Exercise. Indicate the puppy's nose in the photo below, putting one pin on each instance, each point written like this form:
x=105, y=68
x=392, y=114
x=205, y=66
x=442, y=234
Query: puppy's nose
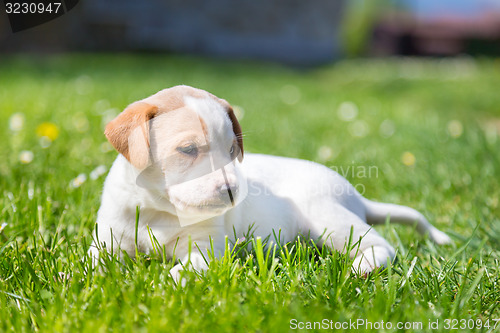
x=231, y=189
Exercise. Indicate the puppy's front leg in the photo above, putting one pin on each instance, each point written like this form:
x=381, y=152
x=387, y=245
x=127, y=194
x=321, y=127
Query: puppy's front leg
x=197, y=259
x=372, y=257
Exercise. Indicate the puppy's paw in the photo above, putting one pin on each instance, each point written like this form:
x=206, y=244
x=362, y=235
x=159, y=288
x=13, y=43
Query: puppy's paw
x=175, y=273
x=194, y=262
x=361, y=266
x=439, y=237
x=372, y=258
x=94, y=255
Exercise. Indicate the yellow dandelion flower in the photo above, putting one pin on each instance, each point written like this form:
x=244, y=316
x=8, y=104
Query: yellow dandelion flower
x=48, y=130
x=408, y=159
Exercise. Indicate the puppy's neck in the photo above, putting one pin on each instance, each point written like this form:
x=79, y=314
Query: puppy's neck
x=140, y=194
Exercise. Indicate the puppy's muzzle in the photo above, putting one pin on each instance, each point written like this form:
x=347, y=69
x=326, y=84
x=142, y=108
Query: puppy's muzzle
x=229, y=190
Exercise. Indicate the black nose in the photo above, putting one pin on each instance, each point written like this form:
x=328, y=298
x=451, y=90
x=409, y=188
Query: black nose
x=231, y=189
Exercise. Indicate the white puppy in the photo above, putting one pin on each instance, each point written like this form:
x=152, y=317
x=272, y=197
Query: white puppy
x=181, y=162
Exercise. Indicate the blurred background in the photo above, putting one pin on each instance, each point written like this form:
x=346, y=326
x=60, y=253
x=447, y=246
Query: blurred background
x=292, y=32
x=400, y=97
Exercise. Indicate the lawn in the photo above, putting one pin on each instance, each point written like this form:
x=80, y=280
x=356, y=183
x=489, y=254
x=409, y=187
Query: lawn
x=424, y=131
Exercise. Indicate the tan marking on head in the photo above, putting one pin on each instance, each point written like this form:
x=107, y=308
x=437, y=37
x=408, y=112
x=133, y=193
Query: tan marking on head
x=174, y=129
x=129, y=131
x=173, y=98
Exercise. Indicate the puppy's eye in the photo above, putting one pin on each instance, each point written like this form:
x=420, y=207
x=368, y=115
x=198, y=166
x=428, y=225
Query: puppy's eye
x=234, y=150
x=190, y=150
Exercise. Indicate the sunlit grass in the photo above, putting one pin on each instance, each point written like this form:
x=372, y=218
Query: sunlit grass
x=428, y=127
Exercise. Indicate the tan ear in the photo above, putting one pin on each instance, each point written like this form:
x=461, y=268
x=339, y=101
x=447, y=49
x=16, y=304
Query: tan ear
x=236, y=130
x=129, y=133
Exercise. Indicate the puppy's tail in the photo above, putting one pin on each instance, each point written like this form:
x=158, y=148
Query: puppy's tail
x=377, y=213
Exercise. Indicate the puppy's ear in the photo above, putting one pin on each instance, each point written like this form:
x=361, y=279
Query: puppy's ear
x=129, y=133
x=234, y=122
x=237, y=131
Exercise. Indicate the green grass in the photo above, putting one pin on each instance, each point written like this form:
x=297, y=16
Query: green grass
x=443, y=115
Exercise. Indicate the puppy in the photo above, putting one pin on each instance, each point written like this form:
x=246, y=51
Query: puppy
x=182, y=163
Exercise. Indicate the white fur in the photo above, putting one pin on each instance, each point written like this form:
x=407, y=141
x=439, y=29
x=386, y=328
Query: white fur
x=287, y=196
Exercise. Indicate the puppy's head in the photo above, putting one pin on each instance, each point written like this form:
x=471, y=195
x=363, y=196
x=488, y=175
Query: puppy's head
x=186, y=145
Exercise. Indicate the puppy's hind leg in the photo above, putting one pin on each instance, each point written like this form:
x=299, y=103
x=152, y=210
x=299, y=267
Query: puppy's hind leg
x=377, y=213
x=335, y=224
